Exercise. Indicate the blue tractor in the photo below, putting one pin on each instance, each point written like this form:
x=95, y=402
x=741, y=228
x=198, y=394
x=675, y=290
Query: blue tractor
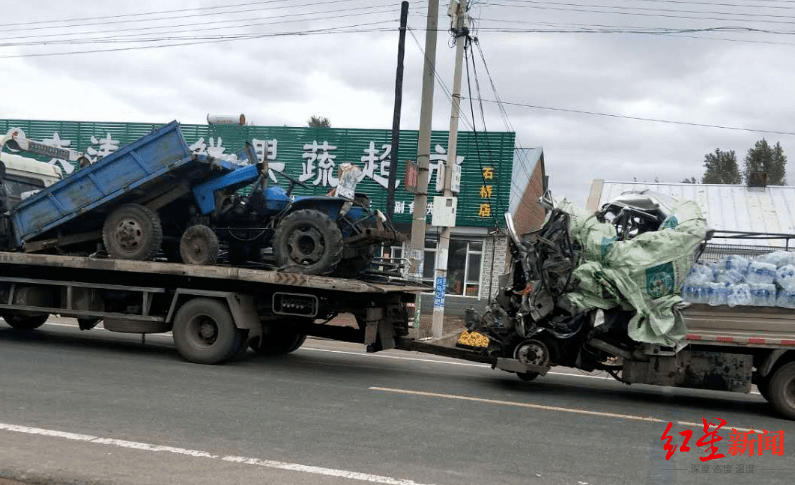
x=317, y=235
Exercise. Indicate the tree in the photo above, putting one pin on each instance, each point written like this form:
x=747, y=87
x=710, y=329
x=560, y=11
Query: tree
x=318, y=122
x=721, y=168
x=691, y=180
x=764, y=158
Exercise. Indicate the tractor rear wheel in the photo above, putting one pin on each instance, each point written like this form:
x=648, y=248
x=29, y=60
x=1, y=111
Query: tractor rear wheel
x=307, y=242
x=132, y=232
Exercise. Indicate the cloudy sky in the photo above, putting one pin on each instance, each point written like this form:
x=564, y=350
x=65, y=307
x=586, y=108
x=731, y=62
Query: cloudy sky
x=581, y=78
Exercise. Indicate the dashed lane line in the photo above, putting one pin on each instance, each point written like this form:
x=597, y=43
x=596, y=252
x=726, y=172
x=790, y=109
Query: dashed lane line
x=632, y=417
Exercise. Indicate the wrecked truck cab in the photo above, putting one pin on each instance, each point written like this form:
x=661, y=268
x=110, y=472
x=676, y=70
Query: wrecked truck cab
x=587, y=293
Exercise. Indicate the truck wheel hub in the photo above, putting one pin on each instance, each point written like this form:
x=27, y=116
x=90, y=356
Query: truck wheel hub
x=306, y=245
x=532, y=352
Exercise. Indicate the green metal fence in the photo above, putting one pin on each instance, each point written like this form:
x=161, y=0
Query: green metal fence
x=312, y=155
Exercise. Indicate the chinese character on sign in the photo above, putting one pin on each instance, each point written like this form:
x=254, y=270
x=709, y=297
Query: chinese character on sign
x=400, y=207
x=107, y=146
x=486, y=191
x=56, y=141
x=484, y=211
x=266, y=150
x=215, y=149
x=373, y=159
x=488, y=173
x=325, y=163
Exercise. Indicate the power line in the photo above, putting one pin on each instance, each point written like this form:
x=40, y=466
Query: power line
x=577, y=8
x=646, y=9
x=637, y=118
x=138, y=37
x=182, y=15
x=331, y=30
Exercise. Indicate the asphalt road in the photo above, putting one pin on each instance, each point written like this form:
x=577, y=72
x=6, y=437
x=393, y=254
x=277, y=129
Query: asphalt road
x=99, y=408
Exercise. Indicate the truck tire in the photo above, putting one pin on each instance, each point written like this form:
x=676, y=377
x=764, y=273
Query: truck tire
x=307, y=242
x=132, y=232
x=281, y=343
x=25, y=322
x=204, y=332
x=781, y=390
x=763, y=386
x=199, y=245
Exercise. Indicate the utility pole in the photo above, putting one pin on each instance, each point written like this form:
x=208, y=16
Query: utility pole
x=459, y=17
x=393, y=158
x=417, y=245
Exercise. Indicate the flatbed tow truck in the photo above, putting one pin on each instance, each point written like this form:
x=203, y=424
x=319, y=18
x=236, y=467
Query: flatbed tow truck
x=214, y=312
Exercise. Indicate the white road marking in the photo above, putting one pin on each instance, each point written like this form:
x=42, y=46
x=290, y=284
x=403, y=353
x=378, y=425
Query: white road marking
x=518, y=404
x=395, y=357
x=296, y=467
x=544, y=407
x=365, y=477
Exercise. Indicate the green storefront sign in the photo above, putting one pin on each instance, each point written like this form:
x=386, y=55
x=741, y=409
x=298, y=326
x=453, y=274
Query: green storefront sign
x=313, y=154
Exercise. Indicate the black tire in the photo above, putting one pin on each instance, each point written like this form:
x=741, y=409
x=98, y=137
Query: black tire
x=781, y=391
x=307, y=242
x=204, y=332
x=353, y=267
x=763, y=386
x=199, y=245
x=132, y=232
x=527, y=376
x=280, y=343
x=25, y=322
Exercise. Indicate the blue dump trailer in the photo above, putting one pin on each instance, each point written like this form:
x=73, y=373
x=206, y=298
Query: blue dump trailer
x=115, y=200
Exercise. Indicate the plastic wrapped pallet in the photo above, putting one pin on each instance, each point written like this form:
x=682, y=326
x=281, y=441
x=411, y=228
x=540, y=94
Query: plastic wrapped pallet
x=761, y=273
x=763, y=295
x=785, y=277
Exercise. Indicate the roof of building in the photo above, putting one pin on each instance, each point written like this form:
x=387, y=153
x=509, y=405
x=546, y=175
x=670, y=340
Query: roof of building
x=768, y=209
x=524, y=162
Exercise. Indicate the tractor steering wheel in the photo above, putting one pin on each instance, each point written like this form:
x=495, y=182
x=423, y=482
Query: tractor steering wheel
x=293, y=182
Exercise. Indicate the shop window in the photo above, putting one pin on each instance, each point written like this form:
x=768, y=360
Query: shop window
x=464, y=267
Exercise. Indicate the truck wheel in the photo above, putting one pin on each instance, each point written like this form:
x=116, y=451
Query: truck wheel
x=279, y=344
x=763, y=386
x=204, y=332
x=781, y=390
x=199, y=245
x=25, y=322
x=307, y=242
x=132, y=232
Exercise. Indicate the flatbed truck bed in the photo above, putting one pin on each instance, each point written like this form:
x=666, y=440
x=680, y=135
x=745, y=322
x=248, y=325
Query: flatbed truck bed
x=213, y=311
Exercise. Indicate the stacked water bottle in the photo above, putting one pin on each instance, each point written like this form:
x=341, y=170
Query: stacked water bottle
x=769, y=280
